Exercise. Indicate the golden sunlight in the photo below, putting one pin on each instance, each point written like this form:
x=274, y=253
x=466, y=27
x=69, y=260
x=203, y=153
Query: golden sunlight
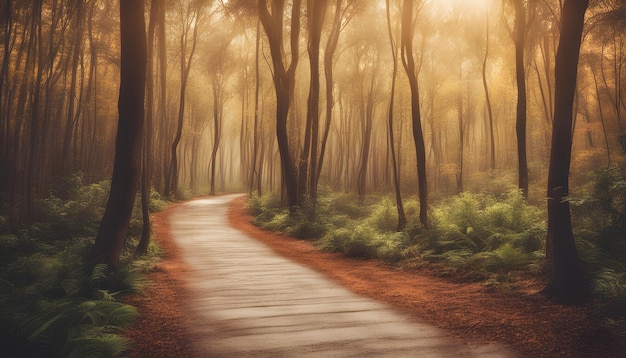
x=462, y=5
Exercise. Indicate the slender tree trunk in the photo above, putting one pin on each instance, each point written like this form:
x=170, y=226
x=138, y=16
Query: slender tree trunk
x=112, y=232
x=418, y=136
x=567, y=280
x=146, y=172
x=329, y=53
x=255, y=135
x=6, y=21
x=162, y=107
x=368, y=114
x=217, y=130
x=316, y=22
x=520, y=74
x=492, y=163
x=72, y=114
x=34, y=125
x=601, y=115
x=394, y=74
x=185, y=69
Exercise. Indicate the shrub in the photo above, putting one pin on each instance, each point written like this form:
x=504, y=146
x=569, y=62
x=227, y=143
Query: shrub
x=254, y=204
x=363, y=243
x=384, y=216
x=392, y=246
x=334, y=240
x=506, y=258
x=348, y=204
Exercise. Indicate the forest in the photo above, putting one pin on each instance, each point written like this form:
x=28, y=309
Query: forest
x=483, y=135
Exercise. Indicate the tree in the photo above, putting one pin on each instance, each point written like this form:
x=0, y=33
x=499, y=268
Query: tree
x=190, y=15
x=408, y=61
x=220, y=70
x=520, y=76
x=254, y=172
x=492, y=163
x=567, y=281
x=127, y=164
x=340, y=20
x=284, y=81
x=148, y=141
x=394, y=74
x=316, y=13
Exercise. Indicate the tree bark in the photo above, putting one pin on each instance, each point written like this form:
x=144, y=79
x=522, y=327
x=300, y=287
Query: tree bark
x=329, y=53
x=316, y=22
x=218, y=105
x=255, y=135
x=162, y=63
x=492, y=162
x=146, y=172
x=520, y=75
x=367, y=115
x=193, y=17
x=127, y=165
x=418, y=136
x=396, y=180
x=284, y=80
x=567, y=280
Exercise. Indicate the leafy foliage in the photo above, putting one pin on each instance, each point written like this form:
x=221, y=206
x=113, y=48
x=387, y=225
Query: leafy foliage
x=51, y=303
x=479, y=232
x=469, y=231
x=601, y=241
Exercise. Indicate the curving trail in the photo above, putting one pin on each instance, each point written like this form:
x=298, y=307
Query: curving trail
x=247, y=301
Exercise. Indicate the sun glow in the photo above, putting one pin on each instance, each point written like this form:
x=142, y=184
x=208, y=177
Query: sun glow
x=461, y=5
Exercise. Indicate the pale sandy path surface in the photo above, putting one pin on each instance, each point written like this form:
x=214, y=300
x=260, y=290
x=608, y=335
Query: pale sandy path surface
x=246, y=301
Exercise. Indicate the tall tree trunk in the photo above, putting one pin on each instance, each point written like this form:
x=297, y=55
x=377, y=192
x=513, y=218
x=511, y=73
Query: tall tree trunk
x=367, y=122
x=255, y=135
x=520, y=75
x=185, y=69
x=463, y=124
x=601, y=115
x=316, y=22
x=492, y=162
x=284, y=81
x=217, y=129
x=73, y=115
x=34, y=125
x=396, y=180
x=567, y=280
x=112, y=231
x=146, y=172
x=329, y=53
x=162, y=107
x=418, y=136
x=6, y=21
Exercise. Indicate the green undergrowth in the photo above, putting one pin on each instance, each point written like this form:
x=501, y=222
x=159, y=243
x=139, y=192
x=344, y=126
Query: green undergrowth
x=600, y=228
x=51, y=303
x=476, y=232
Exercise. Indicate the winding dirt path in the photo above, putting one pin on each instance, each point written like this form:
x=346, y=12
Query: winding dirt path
x=515, y=315
x=246, y=300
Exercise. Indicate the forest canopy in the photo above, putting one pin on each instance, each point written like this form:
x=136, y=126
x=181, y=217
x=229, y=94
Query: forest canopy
x=60, y=70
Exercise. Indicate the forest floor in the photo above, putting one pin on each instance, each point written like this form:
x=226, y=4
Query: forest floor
x=508, y=313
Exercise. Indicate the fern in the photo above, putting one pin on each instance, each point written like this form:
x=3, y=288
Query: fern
x=384, y=216
x=505, y=259
x=101, y=345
